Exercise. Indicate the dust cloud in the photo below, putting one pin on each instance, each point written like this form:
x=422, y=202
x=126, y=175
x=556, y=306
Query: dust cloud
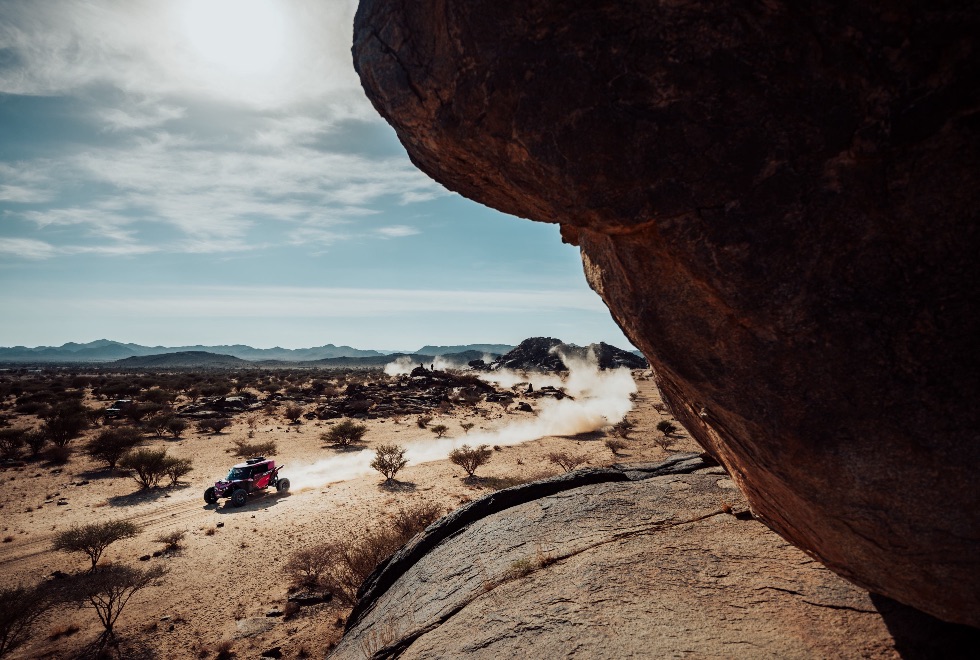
x=597, y=399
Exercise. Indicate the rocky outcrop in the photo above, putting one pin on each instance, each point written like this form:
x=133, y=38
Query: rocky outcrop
x=550, y=354
x=778, y=204
x=636, y=561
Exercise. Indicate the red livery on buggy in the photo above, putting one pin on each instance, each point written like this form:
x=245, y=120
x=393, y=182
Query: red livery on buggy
x=255, y=475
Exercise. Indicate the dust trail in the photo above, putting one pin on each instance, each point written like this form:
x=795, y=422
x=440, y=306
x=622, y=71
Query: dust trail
x=403, y=365
x=601, y=398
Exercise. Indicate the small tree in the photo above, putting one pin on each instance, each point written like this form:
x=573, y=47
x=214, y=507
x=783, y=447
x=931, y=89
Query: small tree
x=20, y=608
x=439, y=430
x=94, y=538
x=306, y=565
x=177, y=468
x=568, y=462
x=470, y=458
x=293, y=413
x=423, y=420
x=466, y=426
x=108, y=592
x=344, y=434
x=388, y=460
x=110, y=444
x=246, y=449
x=65, y=423
x=213, y=426
x=35, y=440
x=11, y=441
x=175, y=426
x=148, y=465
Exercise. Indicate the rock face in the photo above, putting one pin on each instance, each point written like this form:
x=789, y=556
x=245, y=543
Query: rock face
x=642, y=561
x=780, y=208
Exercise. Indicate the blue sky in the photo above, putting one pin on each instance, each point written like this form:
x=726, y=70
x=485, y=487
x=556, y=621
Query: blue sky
x=210, y=171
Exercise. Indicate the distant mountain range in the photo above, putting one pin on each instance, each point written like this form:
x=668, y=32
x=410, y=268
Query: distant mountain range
x=105, y=350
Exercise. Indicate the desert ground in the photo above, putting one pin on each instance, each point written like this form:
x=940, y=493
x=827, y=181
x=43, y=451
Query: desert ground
x=221, y=586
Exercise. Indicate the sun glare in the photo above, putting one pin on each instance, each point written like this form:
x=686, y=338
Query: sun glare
x=236, y=38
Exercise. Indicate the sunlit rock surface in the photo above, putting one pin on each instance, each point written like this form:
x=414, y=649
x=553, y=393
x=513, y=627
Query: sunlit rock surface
x=779, y=206
x=638, y=563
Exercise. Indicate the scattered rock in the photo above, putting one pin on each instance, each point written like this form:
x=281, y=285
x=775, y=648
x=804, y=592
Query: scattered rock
x=253, y=626
x=145, y=558
x=306, y=599
x=274, y=612
x=274, y=652
x=220, y=524
x=158, y=553
x=62, y=502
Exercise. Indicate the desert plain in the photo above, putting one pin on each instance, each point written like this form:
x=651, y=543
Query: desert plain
x=226, y=588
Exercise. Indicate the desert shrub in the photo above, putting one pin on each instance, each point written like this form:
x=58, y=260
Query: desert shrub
x=615, y=445
x=410, y=519
x=440, y=430
x=110, y=444
x=345, y=433
x=148, y=465
x=293, y=412
x=11, y=443
x=175, y=426
x=108, y=591
x=177, y=468
x=172, y=541
x=342, y=566
x=388, y=460
x=306, y=565
x=665, y=442
x=565, y=460
x=623, y=428
x=58, y=454
x=423, y=420
x=138, y=411
x=158, y=396
x=666, y=427
x=65, y=423
x=213, y=426
x=470, y=458
x=94, y=538
x=158, y=423
x=245, y=449
x=466, y=426
x=35, y=441
x=20, y=608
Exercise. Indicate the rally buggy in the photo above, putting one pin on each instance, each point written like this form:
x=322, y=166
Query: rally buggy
x=255, y=475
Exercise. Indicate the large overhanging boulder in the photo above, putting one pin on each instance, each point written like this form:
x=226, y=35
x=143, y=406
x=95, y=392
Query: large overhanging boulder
x=779, y=205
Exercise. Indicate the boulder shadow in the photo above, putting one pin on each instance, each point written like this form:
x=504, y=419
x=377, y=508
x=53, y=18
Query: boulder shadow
x=145, y=495
x=921, y=636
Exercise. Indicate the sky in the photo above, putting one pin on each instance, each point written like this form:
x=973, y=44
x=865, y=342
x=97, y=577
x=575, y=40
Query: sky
x=210, y=172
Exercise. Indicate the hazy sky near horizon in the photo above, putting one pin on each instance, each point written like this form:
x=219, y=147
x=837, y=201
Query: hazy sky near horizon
x=210, y=172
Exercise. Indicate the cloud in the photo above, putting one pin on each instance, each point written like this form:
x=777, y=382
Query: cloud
x=396, y=231
x=147, y=48
x=26, y=248
x=323, y=302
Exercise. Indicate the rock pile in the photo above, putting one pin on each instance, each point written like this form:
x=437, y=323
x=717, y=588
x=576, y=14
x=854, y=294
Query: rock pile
x=549, y=354
x=413, y=394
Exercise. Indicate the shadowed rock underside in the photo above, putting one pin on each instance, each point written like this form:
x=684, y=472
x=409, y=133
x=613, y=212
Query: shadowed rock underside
x=779, y=207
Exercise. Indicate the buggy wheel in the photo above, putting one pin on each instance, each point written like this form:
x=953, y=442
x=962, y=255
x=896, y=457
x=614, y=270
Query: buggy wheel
x=210, y=496
x=239, y=497
x=282, y=485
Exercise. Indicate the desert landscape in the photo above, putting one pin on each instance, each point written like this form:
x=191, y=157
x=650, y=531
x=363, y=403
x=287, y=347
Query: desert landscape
x=227, y=583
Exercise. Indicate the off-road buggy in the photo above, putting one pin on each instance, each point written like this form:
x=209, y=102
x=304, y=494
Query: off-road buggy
x=255, y=475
